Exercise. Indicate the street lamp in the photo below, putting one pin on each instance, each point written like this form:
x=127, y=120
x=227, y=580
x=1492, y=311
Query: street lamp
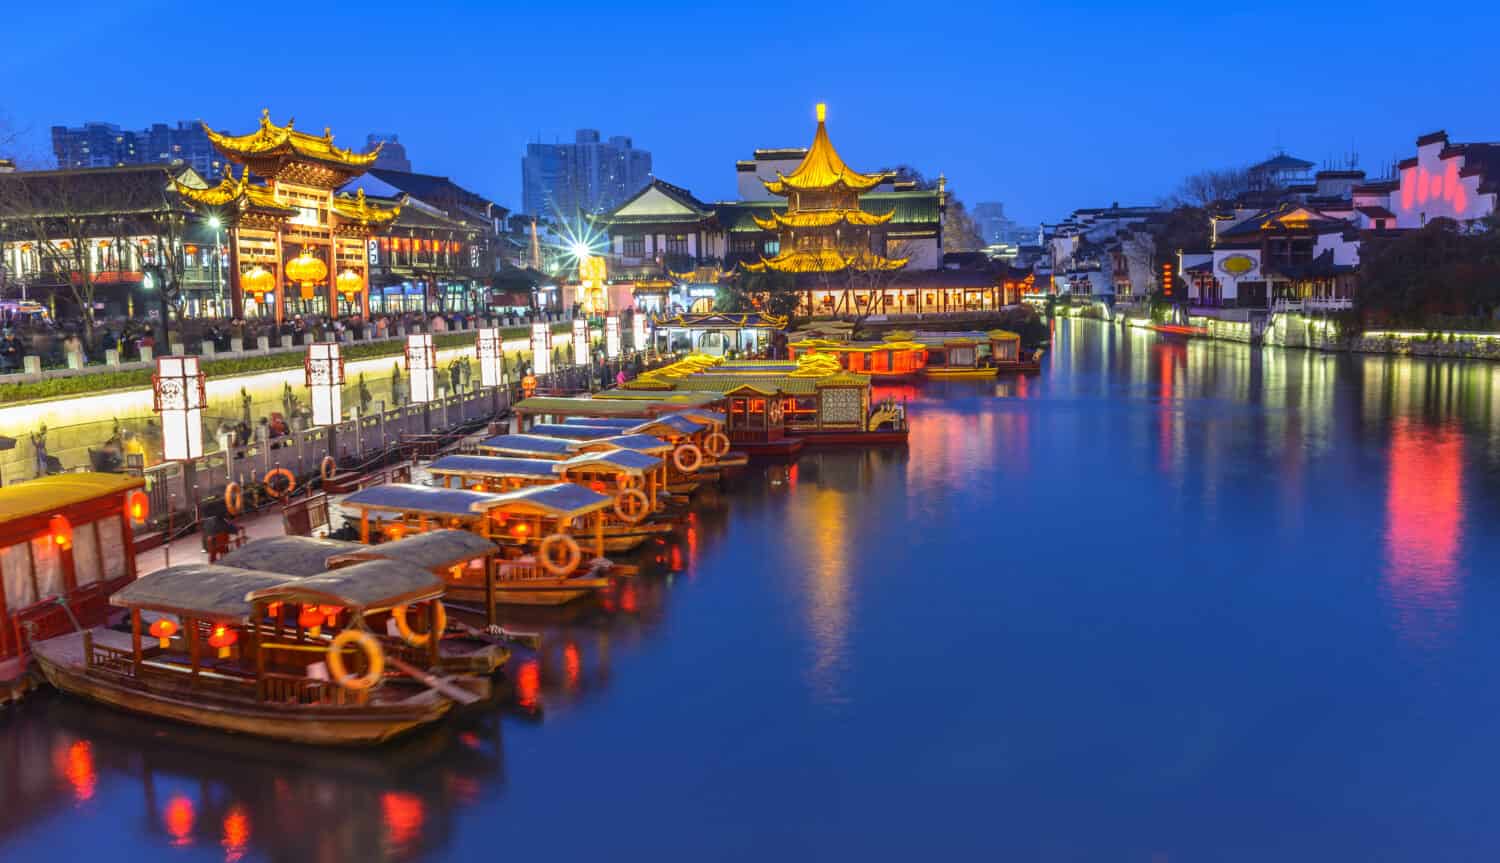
x=580, y=341
x=213, y=222
x=541, y=348
x=178, y=396
x=491, y=353
x=612, y=336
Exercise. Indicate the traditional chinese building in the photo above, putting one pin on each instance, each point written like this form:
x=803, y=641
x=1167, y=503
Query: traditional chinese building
x=823, y=229
x=295, y=245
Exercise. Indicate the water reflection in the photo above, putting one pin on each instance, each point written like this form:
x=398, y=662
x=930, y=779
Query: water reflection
x=1424, y=506
x=195, y=789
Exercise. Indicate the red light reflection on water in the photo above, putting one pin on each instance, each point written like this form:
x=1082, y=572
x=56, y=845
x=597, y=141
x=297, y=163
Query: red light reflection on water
x=628, y=603
x=403, y=815
x=572, y=665
x=178, y=818
x=528, y=684
x=1424, y=506
x=76, y=765
x=236, y=833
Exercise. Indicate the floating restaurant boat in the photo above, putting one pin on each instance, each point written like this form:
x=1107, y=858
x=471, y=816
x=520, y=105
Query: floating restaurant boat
x=906, y=355
x=775, y=408
x=66, y=545
x=240, y=650
x=536, y=526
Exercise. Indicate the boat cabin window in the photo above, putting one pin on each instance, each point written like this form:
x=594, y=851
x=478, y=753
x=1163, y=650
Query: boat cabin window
x=962, y=355
x=47, y=566
x=15, y=568
x=86, y=555
x=112, y=547
x=801, y=410
x=937, y=357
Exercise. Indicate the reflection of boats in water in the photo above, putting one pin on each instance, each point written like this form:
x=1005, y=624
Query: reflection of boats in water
x=242, y=796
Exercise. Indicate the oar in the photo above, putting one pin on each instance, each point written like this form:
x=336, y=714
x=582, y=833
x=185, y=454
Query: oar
x=496, y=633
x=440, y=684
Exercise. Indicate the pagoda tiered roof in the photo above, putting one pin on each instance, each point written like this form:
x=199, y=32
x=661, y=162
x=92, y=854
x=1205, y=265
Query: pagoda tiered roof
x=274, y=151
x=235, y=194
x=825, y=261
x=357, y=208
x=821, y=219
x=822, y=168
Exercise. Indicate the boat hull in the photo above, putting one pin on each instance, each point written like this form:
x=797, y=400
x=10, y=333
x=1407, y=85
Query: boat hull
x=311, y=725
x=959, y=373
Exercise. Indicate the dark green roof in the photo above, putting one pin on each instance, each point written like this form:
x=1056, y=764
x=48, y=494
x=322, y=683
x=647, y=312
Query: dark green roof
x=912, y=208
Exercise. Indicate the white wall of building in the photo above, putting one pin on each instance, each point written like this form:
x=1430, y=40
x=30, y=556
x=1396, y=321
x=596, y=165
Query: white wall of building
x=1433, y=188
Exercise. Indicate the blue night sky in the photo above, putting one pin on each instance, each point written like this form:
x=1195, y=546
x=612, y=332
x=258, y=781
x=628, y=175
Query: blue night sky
x=1045, y=107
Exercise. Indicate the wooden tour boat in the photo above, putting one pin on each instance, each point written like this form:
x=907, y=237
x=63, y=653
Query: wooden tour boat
x=269, y=654
x=541, y=562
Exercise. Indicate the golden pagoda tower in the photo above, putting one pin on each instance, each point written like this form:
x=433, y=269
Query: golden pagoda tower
x=823, y=229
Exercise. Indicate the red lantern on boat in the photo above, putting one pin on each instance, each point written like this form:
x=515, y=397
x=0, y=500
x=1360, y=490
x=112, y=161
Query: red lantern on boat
x=61, y=531
x=163, y=630
x=520, y=529
x=330, y=613
x=311, y=620
x=223, y=637
x=139, y=506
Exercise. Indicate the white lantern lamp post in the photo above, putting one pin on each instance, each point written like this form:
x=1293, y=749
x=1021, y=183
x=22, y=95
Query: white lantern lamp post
x=638, y=330
x=541, y=348
x=325, y=378
x=421, y=362
x=491, y=350
x=612, y=337
x=580, y=341
x=178, y=395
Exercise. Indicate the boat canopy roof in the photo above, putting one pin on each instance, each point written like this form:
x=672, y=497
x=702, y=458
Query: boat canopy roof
x=601, y=422
x=675, y=423
x=563, y=500
x=422, y=499
x=292, y=555
x=672, y=399
x=616, y=460
x=527, y=444
x=367, y=585
x=573, y=431
x=704, y=415
x=584, y=407
x=495, y=466
x=645, y=443
x=433, y=550
x=51, y=493
x=197, y=590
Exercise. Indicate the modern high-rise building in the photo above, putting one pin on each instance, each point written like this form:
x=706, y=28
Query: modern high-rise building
x=105, y=145
x=392, y=152
x=586, y=176
x=997, y=228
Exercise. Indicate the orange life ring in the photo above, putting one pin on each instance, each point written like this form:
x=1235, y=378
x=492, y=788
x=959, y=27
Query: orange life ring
x=328, y=468
x=572, y=555
x=373, y=655
x=420, y=639
x=234, y=499
x=717, y=444
x=633, y=514
x=291, y=482
x=694, y=460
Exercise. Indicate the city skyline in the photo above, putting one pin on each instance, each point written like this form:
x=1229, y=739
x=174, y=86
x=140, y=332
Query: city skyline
x=1029, y=132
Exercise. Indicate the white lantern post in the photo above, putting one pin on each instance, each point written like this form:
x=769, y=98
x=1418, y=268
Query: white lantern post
x=580, y=341
x=491, y=350
x=612, y=336
x=638, y=331
x=421, y=362
x=325, y=378
x=178, y=396
x=541, y=348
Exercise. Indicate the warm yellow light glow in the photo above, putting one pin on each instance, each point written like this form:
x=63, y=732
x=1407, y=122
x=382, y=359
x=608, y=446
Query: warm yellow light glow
x=822, y=112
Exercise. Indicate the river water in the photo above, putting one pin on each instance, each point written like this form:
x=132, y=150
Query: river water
x=1168, y=601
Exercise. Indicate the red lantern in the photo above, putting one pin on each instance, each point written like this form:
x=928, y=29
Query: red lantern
x=311, y=620
x=520, y=529
x=163, y=630
x=330, y=613
x=61, y=530
x=223, y=637
x=138, y=505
